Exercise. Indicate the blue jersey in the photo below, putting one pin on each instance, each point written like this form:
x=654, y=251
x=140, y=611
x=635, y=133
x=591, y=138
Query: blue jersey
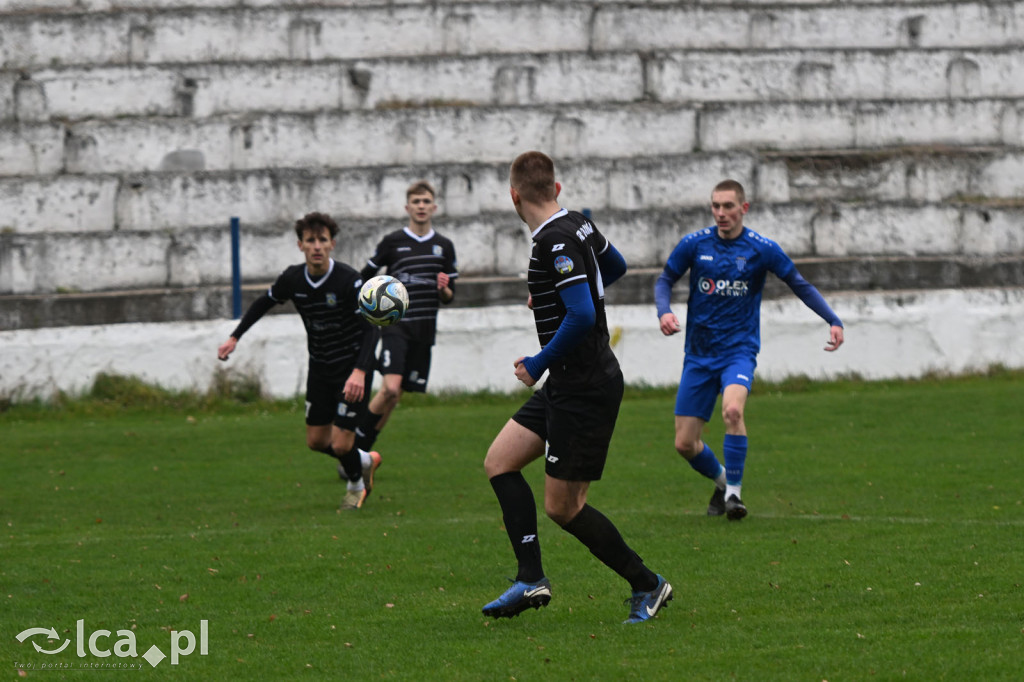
x=726, y=280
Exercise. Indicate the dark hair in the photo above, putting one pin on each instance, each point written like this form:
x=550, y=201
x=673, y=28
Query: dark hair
x=533, y=176
x=732, y=186
x=315, y=221
x=420, y=187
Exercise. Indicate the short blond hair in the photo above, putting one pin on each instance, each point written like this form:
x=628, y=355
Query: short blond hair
x=731, y=186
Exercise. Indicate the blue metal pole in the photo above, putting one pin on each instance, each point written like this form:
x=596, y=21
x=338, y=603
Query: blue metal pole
x=236, y=270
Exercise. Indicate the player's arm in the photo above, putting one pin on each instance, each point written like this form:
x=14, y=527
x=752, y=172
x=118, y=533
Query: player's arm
x=674, y=268
x=612, y=264
x=366, y=360
x=445, y=287
x=667, y=320
x=374, y=263
x=257, y=310
x=446, y=278
x=813, y=299
x=580, y=316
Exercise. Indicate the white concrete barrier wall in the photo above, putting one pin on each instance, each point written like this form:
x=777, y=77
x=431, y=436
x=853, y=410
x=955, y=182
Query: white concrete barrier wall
x=888, y=335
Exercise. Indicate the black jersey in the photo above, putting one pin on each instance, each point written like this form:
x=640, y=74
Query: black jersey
x=416, y=262
x=565, y=250
x=337, y=335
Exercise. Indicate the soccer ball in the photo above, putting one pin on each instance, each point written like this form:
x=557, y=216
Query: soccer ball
x=383, y=300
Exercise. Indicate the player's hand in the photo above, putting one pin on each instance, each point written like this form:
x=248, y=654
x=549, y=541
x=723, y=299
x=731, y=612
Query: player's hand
x=522, y=374
x=227, y=348
x=354, y=386
x=669, y=324
x=529, y=301
x=442, y=280
x=835, y=338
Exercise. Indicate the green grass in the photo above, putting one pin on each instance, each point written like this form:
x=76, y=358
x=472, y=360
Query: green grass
x=885, y=541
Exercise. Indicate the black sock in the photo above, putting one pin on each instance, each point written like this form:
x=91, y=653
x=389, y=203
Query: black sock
x=367, y=432
x=604, y=541
x=352, y=463
x=519, y=512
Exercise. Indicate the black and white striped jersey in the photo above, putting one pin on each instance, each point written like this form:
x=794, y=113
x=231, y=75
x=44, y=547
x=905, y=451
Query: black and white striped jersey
x=416, y=261
x=336, y=334
x=565, y=250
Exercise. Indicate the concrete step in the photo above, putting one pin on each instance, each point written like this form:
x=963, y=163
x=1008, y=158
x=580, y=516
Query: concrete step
x=333, y=140
x=491, y=244
x=185, y=200
x=214, y=89
x=79, y=6
x=636, y=287
x=393, y=30
x=496, y=135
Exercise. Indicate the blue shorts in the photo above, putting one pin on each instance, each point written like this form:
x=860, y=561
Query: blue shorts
x=704, y=378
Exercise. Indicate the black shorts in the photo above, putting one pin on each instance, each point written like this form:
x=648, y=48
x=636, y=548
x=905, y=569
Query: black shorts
x=577, y=427
x=325, y=403
x=401, y=354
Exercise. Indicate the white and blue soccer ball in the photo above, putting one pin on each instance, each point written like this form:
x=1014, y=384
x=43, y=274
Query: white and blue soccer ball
x=383, y=300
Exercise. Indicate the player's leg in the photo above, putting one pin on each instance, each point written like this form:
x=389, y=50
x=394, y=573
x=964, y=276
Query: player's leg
x=391, y=365
x=358, y=465
x=519, y=442
x=695, y=401
x=736, y=380
x=580, y=429
x=320, y=406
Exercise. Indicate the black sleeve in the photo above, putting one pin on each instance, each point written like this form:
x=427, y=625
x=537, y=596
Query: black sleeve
x=257, y=310
x=368, y=271
x=367, y=360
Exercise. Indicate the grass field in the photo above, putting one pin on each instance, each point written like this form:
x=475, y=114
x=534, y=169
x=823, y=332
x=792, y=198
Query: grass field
x=885, y=541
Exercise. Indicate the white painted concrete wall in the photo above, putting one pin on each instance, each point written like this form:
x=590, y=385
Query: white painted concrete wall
x=888, y=335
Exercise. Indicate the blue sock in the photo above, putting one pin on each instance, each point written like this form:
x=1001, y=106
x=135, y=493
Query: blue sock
x=735, y=451
x=706, y=464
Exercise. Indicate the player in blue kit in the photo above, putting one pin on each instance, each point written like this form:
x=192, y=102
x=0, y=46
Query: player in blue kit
x=570, y=420
x=340, y=344
x=728, y=264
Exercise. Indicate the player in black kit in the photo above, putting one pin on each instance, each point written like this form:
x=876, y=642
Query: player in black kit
x=424, y=261
x=569, y=421
x=340, y=343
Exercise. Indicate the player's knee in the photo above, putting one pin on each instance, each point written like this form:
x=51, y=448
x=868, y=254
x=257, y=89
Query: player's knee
x=559, y=513
x=732, y=415
x=688, y=448
x=317, y=443
x=390, y=394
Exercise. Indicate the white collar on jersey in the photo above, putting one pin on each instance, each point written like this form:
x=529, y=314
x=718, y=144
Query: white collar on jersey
x=323, y=277
x=557, y=214
x=418, y=238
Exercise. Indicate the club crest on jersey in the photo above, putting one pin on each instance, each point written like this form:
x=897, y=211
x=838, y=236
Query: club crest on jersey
x=741, y=263
x=332, y=300
x=564, y=265
x=437, y=250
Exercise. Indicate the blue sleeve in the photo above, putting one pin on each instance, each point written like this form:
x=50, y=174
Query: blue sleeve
x=663, y=292
x=579, y=318
x=675, y=267
x=612, y=264
x=811, y=297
